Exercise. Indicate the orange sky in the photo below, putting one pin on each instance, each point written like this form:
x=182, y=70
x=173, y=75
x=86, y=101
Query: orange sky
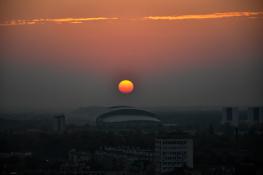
x=13, y=9
x=115, y=44
x=152, y=42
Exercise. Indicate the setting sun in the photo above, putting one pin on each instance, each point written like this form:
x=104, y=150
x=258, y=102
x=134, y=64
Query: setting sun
x=126, y=86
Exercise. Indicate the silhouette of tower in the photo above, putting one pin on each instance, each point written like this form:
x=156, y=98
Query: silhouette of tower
x=230, y=116
x=255, y=115
x=60, y=123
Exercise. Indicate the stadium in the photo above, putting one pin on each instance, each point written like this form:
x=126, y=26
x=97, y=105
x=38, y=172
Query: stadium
x=115, y=116
x=126, y=117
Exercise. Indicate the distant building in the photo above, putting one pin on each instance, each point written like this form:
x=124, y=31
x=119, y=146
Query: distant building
x=172, y=153
x=255, y=115
x=127, y=117
x=127, y=153
x=19, y=155
x=60, y=123
x=117, y=117
x=78, y=156
x=235, y=117
x=230, y=116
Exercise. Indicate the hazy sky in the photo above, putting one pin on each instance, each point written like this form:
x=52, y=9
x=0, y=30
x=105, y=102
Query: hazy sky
x=69, y=53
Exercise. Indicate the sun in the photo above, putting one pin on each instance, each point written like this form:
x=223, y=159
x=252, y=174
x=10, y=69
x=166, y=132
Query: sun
x=126, y=86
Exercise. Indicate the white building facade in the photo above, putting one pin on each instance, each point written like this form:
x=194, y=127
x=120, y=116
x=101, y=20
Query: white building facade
x=171, y=153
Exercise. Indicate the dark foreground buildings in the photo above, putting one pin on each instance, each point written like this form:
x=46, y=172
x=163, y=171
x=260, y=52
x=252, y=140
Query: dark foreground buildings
x=128, y=141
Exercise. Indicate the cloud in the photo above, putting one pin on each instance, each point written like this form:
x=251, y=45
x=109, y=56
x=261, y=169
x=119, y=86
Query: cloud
x=206, y=16
x=55, y=21
x=170, y=18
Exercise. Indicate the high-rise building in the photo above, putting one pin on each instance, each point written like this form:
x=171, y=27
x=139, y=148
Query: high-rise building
x=255, y=115
x=60, y=123
x=172, y=153
x=230, y=116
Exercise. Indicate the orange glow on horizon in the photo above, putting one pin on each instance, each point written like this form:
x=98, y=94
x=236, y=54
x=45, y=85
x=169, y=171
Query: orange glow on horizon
x=15, y=22
x=206, y=16
x=56, y=21
x=126, y=86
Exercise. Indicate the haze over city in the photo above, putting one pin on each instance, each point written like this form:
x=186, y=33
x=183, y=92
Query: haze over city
x=66, y=54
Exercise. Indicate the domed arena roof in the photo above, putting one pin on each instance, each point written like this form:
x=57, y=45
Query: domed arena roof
x=114, y=114
x=126, y=114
